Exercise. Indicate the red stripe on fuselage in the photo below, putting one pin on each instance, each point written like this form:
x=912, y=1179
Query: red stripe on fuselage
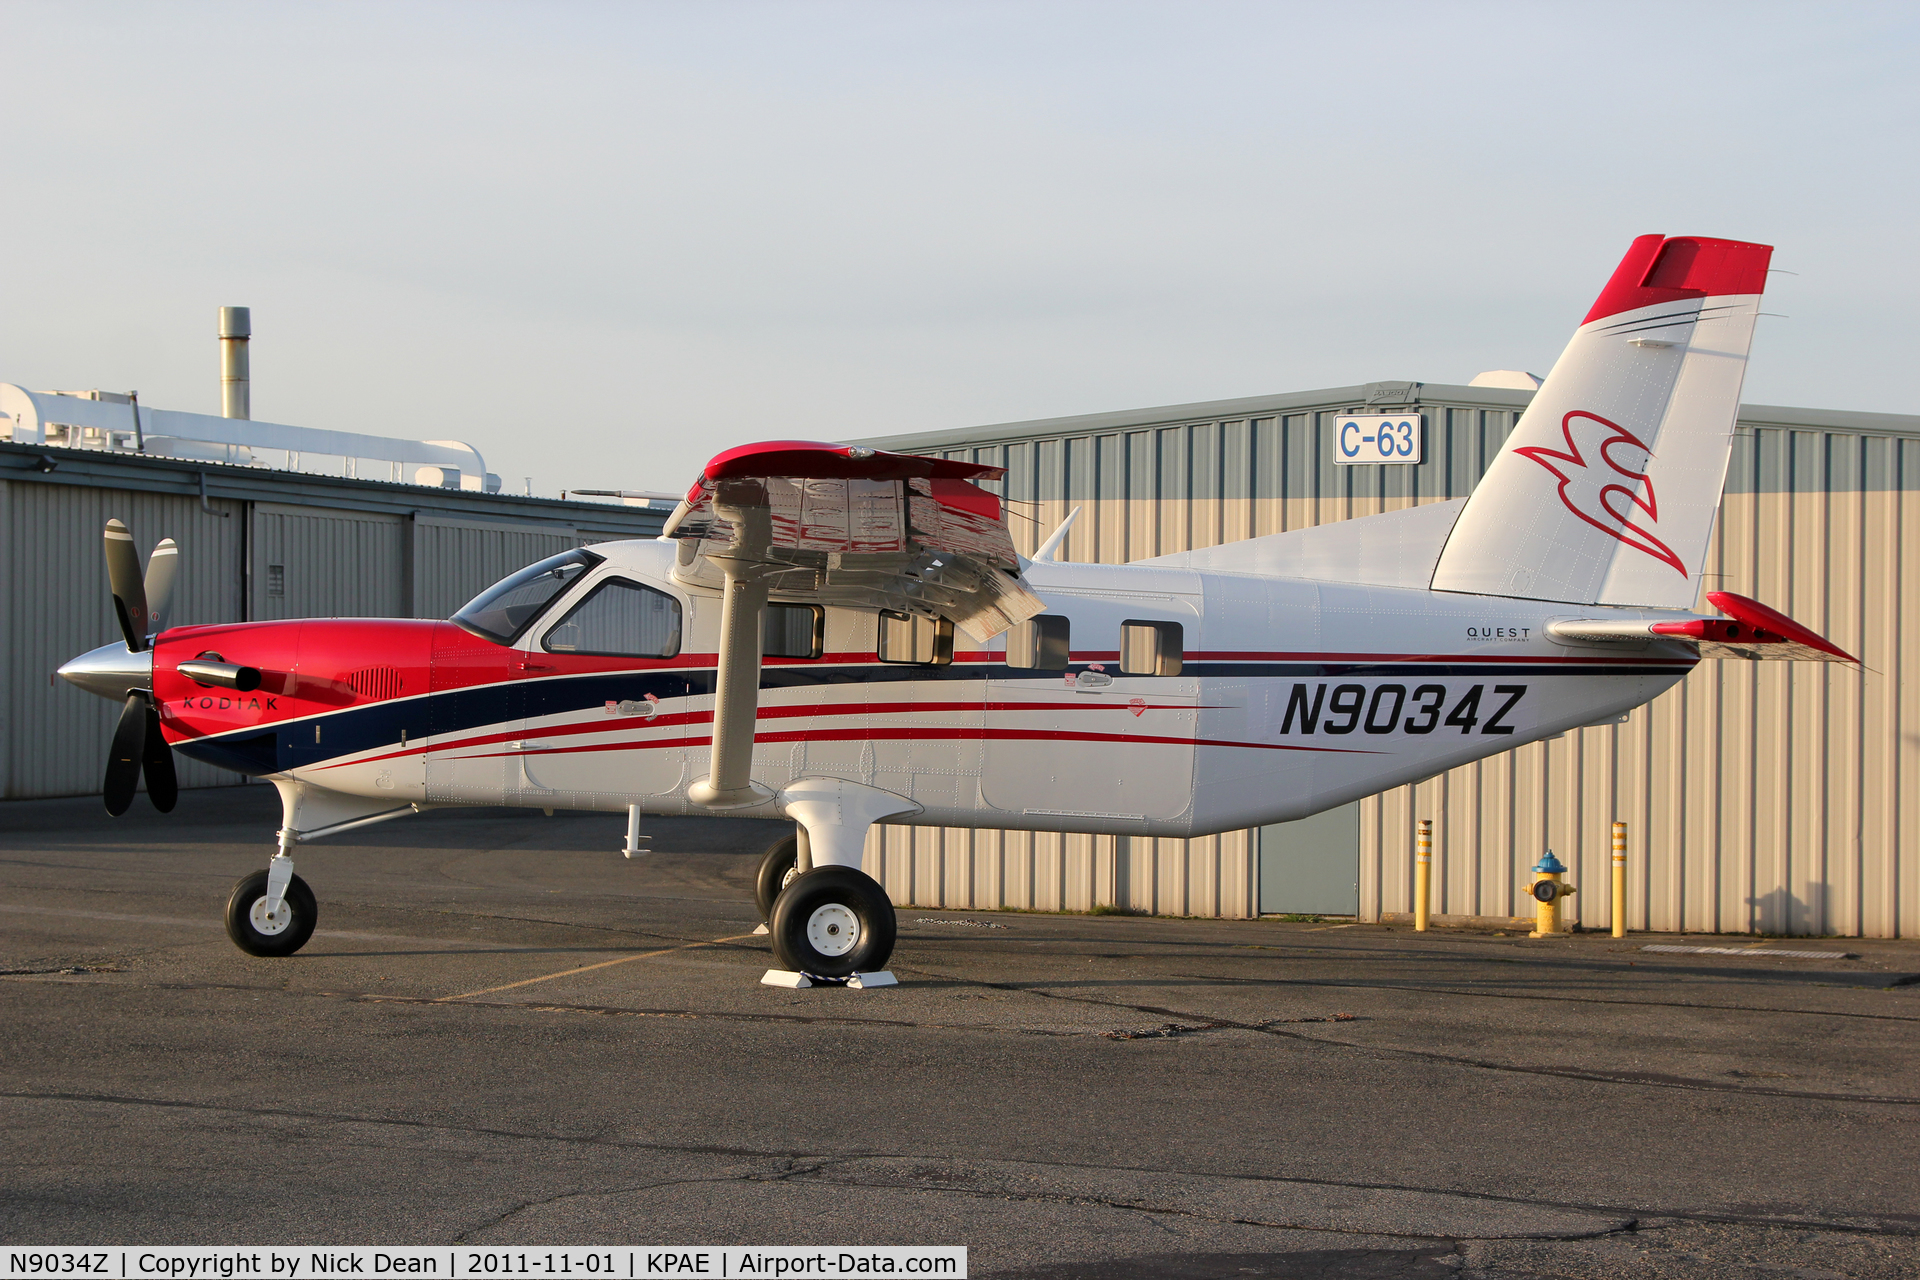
x=681, y=718
x=925, y=734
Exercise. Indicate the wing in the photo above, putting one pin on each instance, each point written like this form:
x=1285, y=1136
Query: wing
x=861, y=528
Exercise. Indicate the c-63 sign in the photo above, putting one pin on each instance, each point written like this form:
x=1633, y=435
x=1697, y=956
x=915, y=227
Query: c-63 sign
x=1393, y=437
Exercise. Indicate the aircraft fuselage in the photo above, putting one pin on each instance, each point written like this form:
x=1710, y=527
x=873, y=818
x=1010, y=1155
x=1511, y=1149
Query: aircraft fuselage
x=1291, y=697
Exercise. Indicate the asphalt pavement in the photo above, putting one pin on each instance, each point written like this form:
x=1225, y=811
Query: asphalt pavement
x=504, y=1032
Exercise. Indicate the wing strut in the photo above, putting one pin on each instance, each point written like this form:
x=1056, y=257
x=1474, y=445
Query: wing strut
x=736, y=705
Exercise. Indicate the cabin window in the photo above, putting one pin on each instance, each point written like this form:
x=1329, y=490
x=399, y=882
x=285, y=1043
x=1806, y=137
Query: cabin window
x=1150, y=648
x=793, y=631
x=508, y=607
x=906, y=638
x=619, y=619
x=1040, y=644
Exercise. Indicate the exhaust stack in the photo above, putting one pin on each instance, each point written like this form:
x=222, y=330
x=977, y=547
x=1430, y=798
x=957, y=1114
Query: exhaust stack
x=236, y=326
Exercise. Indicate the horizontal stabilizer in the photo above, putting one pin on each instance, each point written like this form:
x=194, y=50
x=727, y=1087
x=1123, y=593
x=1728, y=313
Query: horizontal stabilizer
x=1750, y=630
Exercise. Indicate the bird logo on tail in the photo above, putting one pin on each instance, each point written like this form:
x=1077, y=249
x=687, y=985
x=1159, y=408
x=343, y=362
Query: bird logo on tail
x=1617, y=500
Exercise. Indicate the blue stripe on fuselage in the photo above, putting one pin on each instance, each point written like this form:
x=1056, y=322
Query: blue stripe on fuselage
x=290, y=744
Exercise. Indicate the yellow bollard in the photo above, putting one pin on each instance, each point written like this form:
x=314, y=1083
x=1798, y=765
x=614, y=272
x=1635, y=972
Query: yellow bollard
x=1549, y=886
x=1619, y=879
x=1422, y=874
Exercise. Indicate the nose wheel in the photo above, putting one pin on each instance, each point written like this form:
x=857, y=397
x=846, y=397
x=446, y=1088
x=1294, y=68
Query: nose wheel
x=260, y=932
x=833, y=922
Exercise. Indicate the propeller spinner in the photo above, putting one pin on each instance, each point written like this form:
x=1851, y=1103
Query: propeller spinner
x=124, y=672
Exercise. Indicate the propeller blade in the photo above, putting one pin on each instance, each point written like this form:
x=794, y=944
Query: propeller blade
x=123, y=576
x=163, y=786
x=123, y=757
x=162, y=565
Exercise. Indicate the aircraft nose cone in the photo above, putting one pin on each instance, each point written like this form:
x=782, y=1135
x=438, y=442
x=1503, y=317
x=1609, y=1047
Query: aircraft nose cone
x=112, y=671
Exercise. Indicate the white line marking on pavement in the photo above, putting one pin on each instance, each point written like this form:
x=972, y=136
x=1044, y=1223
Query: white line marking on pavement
x=1751, y=951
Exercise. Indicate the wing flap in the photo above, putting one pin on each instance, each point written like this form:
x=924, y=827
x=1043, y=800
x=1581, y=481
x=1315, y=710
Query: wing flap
x=860, y=528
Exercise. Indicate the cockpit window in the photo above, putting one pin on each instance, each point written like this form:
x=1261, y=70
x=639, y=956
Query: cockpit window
x=509, y=606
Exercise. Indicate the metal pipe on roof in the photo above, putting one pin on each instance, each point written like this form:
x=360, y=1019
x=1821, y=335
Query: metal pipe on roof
x=236, y=327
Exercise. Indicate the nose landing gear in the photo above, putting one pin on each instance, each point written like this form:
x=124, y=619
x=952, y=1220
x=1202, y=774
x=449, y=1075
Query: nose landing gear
x=260, y=928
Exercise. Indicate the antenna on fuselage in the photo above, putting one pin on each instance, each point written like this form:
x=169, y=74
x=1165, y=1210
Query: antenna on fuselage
x=1050, y=549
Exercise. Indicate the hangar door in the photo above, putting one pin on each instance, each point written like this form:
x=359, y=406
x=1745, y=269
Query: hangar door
x=1312, y=866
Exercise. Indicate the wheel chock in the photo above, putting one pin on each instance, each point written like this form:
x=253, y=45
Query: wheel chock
x=761, y=929
x=801, y=981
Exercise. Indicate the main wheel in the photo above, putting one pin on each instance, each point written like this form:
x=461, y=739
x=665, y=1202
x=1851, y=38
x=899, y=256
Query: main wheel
x=778, y=866
x=257, y=933
x=833, y=922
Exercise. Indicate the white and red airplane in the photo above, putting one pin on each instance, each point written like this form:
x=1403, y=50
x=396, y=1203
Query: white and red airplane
x=839, y=636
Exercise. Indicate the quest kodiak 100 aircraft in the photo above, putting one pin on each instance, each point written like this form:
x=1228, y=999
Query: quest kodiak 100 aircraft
x=840, y=636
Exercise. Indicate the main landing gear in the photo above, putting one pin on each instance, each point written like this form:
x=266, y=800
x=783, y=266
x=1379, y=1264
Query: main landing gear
x=826, y=922
x=778, y=868
x=833, y=922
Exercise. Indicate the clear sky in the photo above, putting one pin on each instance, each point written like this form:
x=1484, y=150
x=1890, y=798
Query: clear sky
x=602, y=242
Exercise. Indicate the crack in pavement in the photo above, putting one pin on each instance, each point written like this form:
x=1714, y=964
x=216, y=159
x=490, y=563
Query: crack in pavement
x=466, y=1235
x=1166, y=1210
x=1339, y=985
x=1636, y=1078
x=1640, y=1212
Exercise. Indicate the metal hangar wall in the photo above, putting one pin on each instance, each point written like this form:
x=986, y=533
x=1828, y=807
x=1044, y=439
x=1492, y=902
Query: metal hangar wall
x=254, y=544
x=1759, y=796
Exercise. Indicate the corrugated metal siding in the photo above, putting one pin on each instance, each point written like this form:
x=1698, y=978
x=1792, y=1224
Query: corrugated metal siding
x=1759, y=796
x=312, y=562
x=455, y=560
x=1047, y=871
x=55, y=735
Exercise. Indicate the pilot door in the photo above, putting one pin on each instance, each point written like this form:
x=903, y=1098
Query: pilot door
x=604, y=699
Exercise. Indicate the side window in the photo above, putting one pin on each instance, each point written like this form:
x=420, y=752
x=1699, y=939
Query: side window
x=1150, y=648
x=619, y=619
x=905, y=638
x=1040, y=643
x=793, y=631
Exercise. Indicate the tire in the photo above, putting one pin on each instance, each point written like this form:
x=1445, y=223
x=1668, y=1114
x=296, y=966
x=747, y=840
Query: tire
x=833, y=922
x=247, y=933
x=777, y=869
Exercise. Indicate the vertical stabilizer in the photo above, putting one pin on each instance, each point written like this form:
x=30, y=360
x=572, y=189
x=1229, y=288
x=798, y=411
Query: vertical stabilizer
x=1606, y=491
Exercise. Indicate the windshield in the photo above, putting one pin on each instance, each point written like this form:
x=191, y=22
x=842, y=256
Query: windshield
x=504, y=610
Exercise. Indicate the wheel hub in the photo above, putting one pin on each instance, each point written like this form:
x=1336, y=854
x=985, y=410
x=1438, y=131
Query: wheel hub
x=269, y=925
x=833, y=930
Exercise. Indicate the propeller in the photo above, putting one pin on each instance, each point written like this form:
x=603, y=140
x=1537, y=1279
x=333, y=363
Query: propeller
x=142, y=603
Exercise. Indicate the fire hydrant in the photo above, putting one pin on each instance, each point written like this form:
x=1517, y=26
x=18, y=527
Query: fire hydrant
x=1549, y=886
